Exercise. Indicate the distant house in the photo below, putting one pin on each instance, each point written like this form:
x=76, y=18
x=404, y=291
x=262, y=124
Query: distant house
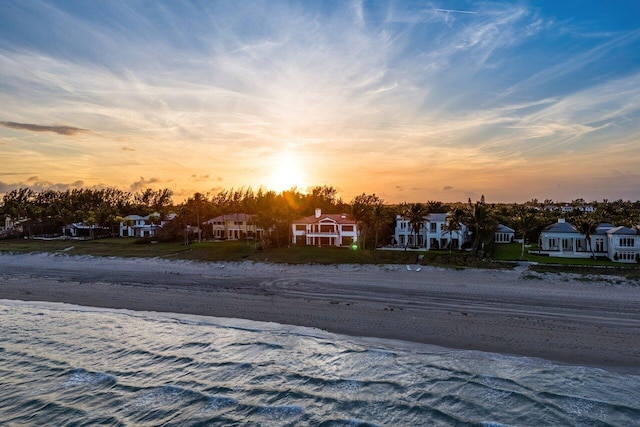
x=7, y=224
x=143, y=226
x=562, y=239
x=80, y=230
x=432, y=233
x=234, y=227
x=504, y=234
x=586, y=209
x=324, y=230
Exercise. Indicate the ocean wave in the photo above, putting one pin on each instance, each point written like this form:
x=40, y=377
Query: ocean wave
x=98, y=366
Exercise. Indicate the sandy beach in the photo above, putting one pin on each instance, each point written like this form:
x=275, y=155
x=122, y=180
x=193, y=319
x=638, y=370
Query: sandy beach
x=552, y=316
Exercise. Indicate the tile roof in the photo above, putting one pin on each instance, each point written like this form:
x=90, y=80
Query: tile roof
x=230, y=217
x=338, y=218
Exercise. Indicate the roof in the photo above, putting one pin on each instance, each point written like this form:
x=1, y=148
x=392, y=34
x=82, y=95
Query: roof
x=622, y=230
x=560, y=227
x=504, y=229
x=135, y=217
x=437, y=217
x=230, y=217
x=433, y=217
x=337, y=218
x=603, y=227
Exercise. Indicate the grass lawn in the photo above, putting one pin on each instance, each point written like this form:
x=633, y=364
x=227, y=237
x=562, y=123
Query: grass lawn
x=583, y=266
x=511, y=252
x=241, y=251
x=208, y=251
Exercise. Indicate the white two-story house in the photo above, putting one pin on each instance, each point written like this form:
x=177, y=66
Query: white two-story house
x=432, y=233
x=143, y=226
x=324, y=230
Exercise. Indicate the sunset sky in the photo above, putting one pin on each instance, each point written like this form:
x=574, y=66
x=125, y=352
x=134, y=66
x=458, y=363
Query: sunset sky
x=429, y=100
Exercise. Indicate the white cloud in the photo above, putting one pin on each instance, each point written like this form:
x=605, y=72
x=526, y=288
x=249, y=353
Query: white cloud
x=380, y=88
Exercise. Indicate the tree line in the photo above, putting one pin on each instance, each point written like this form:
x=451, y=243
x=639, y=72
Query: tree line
x=275, y=212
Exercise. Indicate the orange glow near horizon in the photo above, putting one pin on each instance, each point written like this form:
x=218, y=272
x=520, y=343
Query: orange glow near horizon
x=286, y=174
x=401, y=100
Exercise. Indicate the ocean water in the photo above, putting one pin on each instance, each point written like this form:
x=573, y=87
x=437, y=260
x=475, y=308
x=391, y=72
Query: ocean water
x=68, y=365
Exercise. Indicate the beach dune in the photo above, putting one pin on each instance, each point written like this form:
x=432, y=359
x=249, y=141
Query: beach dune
x=551, y=316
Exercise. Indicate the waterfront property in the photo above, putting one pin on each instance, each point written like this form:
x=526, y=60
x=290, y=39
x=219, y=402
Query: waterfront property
x=143, y=226
x=234, y=226
x=562, y=239
x=432, y=233
x=504, y=234
x=324, y=230
x=80, y=230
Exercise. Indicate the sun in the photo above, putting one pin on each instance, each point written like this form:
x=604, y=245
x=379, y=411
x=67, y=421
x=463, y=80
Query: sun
x=287, y=174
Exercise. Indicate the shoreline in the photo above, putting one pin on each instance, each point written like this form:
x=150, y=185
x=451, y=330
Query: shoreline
x=553, y=317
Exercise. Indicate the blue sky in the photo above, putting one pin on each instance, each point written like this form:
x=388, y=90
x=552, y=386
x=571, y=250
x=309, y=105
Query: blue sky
x=412, y=100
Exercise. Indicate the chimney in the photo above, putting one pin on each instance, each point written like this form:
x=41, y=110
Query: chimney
x=318, y=212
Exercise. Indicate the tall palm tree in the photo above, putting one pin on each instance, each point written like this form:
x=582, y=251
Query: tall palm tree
x=587, y=226
x=361, y=211
x=454, y=224
x=415, y=213
x=479, y=217
x=525, y=221
x=379, y=215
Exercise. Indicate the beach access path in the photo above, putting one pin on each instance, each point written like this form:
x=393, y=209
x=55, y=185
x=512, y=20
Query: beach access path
x=553, y=316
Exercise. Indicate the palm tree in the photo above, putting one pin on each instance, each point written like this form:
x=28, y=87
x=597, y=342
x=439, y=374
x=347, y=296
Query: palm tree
x=361, y=210
x=479, y=217
x=587, y=226
x=454, y=224
x=91, y=221
x=415, y=213
x=525, y=221
x=379, y=214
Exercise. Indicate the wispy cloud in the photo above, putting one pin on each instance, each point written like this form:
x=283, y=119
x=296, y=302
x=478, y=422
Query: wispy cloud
x=456, y=11
x=59, y=129
x=365, y=87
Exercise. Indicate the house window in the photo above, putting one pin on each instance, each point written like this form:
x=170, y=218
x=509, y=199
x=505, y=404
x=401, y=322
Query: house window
x=599, y=245
x=433, y=228
x=300, y=227
x=567, y=244
x=627, y=242
x=502, y=238
x=347, y=228
x=552, y=244
x=625, y=256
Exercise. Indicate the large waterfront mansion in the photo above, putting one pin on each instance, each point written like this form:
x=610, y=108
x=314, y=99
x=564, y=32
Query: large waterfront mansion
x=562, y=239
x=431, y=233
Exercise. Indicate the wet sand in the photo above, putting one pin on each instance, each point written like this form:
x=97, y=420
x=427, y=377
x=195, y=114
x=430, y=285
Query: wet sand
x=553, y=316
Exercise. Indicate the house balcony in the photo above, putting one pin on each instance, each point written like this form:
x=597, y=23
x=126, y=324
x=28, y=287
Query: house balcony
x=333, y=234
